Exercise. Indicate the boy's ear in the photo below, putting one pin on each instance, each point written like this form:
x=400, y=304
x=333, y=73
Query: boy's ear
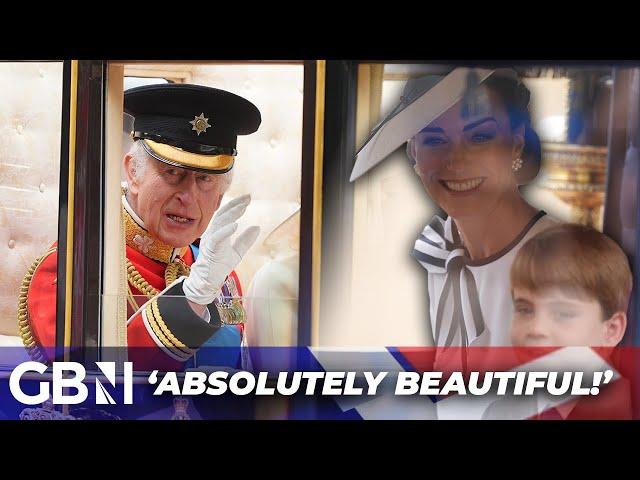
x=614, y=328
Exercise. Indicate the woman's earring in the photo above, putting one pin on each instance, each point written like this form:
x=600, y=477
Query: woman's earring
x=516, y=164
x=124, y=188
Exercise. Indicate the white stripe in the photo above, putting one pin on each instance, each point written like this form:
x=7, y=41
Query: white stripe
x=435, y=238
x=424, y=247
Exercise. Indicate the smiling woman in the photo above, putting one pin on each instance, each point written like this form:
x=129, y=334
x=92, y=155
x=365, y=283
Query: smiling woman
x=472, y=146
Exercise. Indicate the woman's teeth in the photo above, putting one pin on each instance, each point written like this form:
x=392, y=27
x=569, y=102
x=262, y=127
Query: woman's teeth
x=178, y=219
x=463, y=185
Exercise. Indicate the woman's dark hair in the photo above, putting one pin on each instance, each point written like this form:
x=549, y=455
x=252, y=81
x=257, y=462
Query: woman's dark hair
x=515, y=97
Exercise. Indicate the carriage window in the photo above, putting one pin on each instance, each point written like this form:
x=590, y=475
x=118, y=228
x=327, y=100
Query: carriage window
x=570, y=111
x=267, y=166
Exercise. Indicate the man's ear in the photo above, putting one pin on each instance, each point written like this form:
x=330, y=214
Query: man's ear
x=130, y=173
x=614, y=329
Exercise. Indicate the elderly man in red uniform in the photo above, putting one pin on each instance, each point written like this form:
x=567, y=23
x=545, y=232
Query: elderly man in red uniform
x=180, y=296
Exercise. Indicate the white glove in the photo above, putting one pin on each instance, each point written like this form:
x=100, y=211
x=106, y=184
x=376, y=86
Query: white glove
x=218, y=257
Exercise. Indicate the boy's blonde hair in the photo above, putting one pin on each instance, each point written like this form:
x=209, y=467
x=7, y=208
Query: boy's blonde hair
x=575, y=258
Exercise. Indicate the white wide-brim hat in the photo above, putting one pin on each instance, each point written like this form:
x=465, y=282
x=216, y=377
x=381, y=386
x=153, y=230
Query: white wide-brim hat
x=424, y=99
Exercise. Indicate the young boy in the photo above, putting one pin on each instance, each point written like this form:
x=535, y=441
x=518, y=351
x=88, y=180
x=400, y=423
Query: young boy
x=570, y=286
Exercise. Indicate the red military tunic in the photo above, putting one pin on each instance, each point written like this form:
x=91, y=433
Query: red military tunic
x=162, y=333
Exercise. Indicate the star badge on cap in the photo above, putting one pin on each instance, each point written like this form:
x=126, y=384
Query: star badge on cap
x=200, y=124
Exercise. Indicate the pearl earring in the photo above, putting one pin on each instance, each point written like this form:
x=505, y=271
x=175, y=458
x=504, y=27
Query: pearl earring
x=516, y=164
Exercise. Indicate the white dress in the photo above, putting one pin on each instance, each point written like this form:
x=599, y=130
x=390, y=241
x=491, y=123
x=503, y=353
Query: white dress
x=470, y=302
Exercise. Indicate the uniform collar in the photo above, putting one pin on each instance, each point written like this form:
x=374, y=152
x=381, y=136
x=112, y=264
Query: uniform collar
x=138, y=238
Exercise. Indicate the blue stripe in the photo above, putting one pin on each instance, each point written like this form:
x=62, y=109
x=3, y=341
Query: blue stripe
x=221, y=349
x=399, y=357
x=407, y=366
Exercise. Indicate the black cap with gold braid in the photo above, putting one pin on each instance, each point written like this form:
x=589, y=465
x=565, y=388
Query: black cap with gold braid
x=190, y=126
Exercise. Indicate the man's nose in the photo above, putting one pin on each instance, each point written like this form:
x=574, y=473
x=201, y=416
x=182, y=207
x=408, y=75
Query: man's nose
x=187, y=188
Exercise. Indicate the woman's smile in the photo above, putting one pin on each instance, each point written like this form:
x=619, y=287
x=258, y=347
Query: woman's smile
x=466, y=185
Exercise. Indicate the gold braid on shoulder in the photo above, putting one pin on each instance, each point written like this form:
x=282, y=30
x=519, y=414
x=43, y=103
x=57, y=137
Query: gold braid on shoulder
x=24, y=325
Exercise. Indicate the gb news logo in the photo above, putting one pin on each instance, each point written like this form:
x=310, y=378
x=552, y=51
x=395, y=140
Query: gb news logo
x=68, y=383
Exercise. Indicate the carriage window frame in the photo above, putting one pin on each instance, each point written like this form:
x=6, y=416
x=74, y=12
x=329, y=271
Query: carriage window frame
x=81, y=328
x=340, y=157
